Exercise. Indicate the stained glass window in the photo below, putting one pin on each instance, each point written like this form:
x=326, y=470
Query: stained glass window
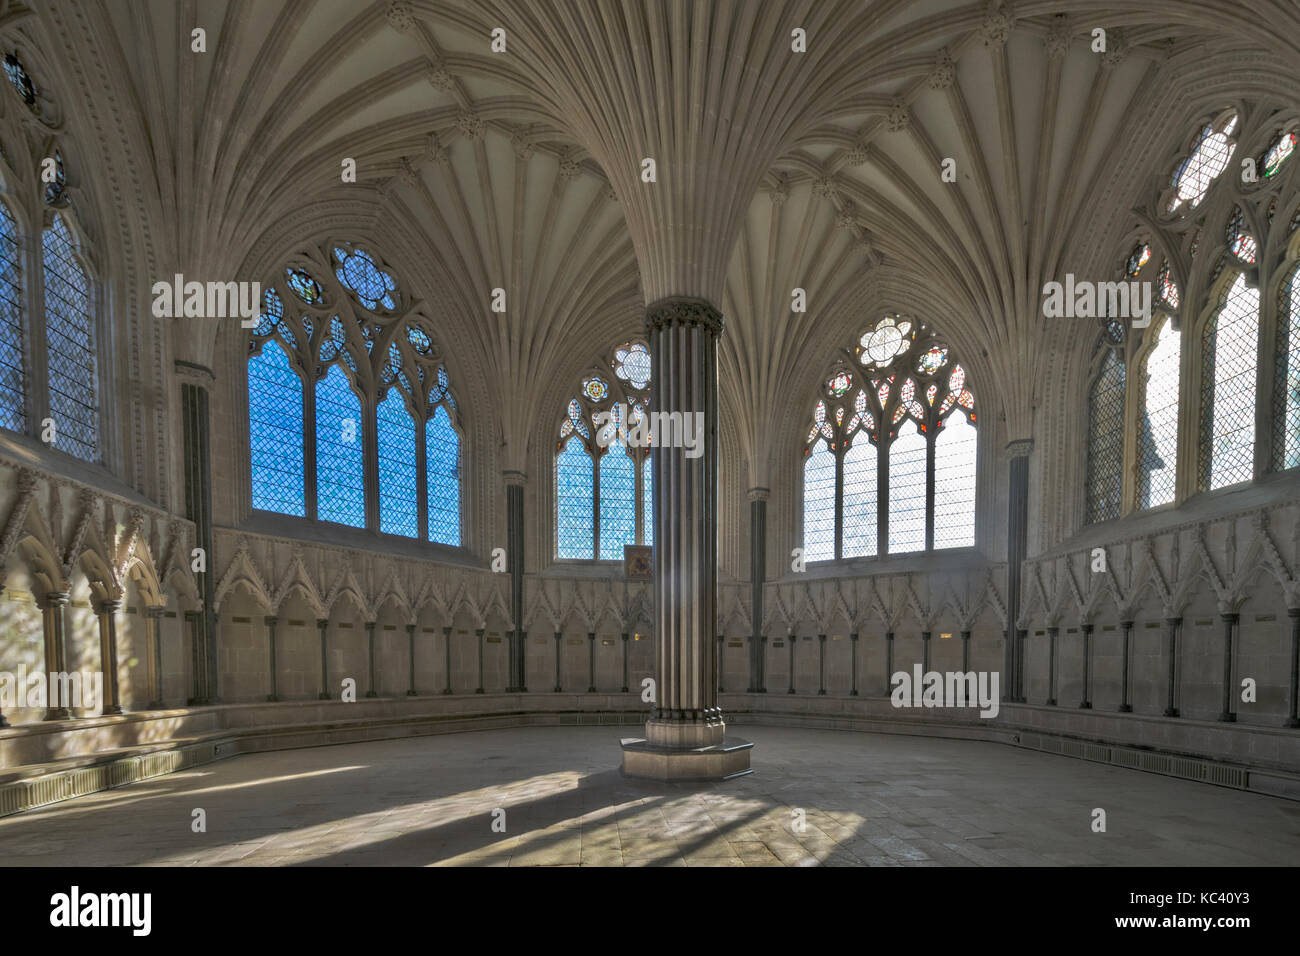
x=398, y=498
x=819, y=504
x=442, y=448
x=20, y=80
x=1106, y=440
x=908, y=439
x=352, y=379
x=859, y=513
x=13, y=385
x=69, y=346
x=275, y=432
x=1231, y=342
x=617, y=503
x=1139, y=257
x=340, y=485
x=1208, y=158
x=1279, y=153
x=358, y=272
x=574, y=490
x=616, y=475
x=1240, y=242
x=907, y=490
x=1286, y=407
x=1158, y=429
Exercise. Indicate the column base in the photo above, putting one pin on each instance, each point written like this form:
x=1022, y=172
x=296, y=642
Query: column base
x=113, y=710
x=1050, y=702
x=1228, y=718
x=272, y=698
x=591, y=690
x=447, y=691
x=152, y=705
x=625, y=690
x=412, y=693
x=323, y=696
x=1290, y=721
x=722, y=761
x=1173, y=712
x=57, y=713
x=1086, y=705
x=1126, y=708
x=371, y=693
x=479, y=690
x=853, y=693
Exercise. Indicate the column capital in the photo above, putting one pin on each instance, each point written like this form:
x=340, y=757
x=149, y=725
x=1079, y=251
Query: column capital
x=1290, y=612
x=853, y=636
x=109, y=606
x=370, y=625
x=683, y=311
x=1020, y=448
x=1053, y=630
x=514, y=478
x=1174, y=621
x=410, y=628
x=925, y=635
x=155, y=611
x=270, y=620
x=1086, y=628
x=57, y=599
x=322, y=622
x=1231, y=617
x=759, y=494
x=1127, y=625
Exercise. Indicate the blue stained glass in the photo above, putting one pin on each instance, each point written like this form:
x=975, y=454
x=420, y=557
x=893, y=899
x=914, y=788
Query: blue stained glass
x=13, y=388
x=340, y=484
x=69, y=346
x=54, y=188
x=860, y=522
x=907, y=490
x=442, y=448
x=359, y=274
x=20, y=80
x=819, y=504
x=275, y=432
x=617, y=503
x=647, y=503
x=398, y=498
x=574, y=488
x=304, y=286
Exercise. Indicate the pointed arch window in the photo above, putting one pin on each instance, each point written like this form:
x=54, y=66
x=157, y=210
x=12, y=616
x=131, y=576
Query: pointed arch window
x=1105, y=488
x=602, y=474
x=69, y=344
x=1230, y=344
x=1158, y=429
x=351, y=415
x=13, y=376
x=1286, y=405
x=890, y=457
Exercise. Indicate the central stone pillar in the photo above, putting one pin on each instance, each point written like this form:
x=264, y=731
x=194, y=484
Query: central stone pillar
x=686, y=734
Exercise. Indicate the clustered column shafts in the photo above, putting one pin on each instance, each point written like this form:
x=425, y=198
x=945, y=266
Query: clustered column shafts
x=1228, y=715
x=1125, y=707
x=853, y=671
x=1293, y=718
x=683, y=335
x=1086, y=703
x=321, y=625
x=1171, y=705
x=271, y=621
x=757, y=572
x=1052, y=632
x=108, y=654
x=56, y=660
x=154, y=616
x=410, y=643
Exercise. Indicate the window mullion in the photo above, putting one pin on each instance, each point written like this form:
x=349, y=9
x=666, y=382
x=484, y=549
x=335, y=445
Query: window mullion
x=421, y=480
x=929, y=489
x=309, y=447
x=882, y=498
x=839, y=501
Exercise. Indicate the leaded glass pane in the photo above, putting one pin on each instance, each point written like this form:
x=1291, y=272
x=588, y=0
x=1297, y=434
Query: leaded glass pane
x=860, y=521
x=1106, y=440
x=13, y=388
x=647, y=503
x=1208, y=159
x=907, y=490
x=1228, y=391
x=69, y=346
x=574, y=489
x=398, y=504
x=1287, y=389
x=275, y=432
x=442, y=449
x=819, y=504
x=954, y=484
x=1158, y=430
x=617, y=503
x=340, y=485
x=360, y=275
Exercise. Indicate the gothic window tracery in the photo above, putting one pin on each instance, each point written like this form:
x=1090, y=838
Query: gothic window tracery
x=335, y=381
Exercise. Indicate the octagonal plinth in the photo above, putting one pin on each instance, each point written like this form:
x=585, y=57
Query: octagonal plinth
x=720, y=761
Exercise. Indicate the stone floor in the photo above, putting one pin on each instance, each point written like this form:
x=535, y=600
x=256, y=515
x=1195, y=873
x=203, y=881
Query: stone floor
x=866, y=799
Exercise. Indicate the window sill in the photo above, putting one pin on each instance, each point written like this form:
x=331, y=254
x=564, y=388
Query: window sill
x=326, y=533
x=947, y=559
